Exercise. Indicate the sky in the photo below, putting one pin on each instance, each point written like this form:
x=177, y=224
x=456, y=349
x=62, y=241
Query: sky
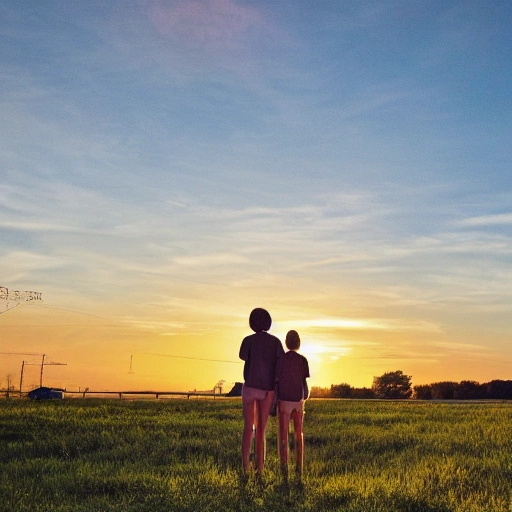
x=167, y=166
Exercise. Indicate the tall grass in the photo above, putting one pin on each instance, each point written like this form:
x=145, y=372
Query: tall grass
x=184, y=455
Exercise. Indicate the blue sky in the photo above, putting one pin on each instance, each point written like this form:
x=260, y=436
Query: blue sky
x=168, y=165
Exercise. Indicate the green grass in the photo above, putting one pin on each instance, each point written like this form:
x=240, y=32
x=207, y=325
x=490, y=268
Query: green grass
x=184, y=455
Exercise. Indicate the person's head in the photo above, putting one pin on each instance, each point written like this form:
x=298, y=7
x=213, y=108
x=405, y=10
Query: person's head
x=260, y=320
x=292, y=340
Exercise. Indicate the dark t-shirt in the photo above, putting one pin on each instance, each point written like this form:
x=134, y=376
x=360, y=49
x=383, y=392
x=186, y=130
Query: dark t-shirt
x=292, y=373
x=261, y=352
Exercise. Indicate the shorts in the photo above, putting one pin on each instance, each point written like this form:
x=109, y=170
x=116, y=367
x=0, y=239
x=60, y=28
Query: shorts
x=288, y=407
x=253, y=394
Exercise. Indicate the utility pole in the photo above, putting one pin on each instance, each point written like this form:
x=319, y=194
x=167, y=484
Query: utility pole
x=23, y=364
x=50, y=363
x=18, y=353
x=41, y=376
x=21, y=378
x=43, y=364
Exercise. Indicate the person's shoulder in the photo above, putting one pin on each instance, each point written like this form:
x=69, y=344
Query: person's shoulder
x=303, y=358
x=273, y=338
x=249, y=338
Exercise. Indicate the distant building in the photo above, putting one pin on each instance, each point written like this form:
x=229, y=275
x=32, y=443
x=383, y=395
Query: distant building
x=236, y=390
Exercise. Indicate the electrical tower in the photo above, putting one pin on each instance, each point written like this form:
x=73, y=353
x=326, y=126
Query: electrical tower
x=42, y=364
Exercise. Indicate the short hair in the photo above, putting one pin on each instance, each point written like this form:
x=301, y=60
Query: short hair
x=292, y=340
x=260, y=320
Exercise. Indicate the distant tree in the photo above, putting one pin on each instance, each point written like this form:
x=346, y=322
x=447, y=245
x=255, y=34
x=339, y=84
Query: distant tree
x=392, y=385
x=464, y=390
x=341, y=390
x=362, y=393
x=318, y=392
x=443, y=390
x=423, y=392
x=498, y=389
x=468, y=390
x=398, y=385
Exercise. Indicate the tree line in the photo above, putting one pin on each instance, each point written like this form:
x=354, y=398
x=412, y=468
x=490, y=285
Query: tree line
x=397, y=385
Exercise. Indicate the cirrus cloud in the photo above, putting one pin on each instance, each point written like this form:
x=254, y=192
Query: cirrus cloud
x=211, y=24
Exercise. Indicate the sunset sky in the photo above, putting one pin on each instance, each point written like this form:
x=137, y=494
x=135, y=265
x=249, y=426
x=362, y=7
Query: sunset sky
x=167, y=166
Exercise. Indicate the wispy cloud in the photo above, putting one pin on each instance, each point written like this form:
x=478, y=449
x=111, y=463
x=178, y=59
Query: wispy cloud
x=461, y=347
x=214, y=25
x=488, y=220
x=366, y=324
x=210, y=37
x=17, y=264
x=222, y=258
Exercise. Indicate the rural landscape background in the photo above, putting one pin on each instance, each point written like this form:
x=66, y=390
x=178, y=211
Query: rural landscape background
x=169, y=165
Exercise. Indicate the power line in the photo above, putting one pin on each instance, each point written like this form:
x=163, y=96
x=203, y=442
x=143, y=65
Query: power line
x=131, y=371
x=20, y=354
x=190, y=357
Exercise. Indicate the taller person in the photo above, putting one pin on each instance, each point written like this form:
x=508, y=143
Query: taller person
x=261, y=352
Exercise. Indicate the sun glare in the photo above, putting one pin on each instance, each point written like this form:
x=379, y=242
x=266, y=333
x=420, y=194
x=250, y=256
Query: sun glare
x=322, y=351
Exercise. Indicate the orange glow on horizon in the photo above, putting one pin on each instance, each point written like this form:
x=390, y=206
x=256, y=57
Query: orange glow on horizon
x=106, y=353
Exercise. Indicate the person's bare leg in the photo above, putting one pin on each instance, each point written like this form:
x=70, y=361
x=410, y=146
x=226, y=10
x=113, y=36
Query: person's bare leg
x=249, y=420
x=263, y=411
x=299, y=441
x=284, y=421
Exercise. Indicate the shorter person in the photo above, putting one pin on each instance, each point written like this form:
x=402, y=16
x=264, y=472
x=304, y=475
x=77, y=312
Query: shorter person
x=292, y=391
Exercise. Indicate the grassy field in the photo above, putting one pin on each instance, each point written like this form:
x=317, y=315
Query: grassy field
x=184, y=455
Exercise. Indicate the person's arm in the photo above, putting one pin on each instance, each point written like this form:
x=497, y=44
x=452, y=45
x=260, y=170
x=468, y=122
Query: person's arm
x=244, y=355
x=306, y=376
x=305, y=389
x=279, y=352
x=244, y=350
x=279, y=371
x=279, y=361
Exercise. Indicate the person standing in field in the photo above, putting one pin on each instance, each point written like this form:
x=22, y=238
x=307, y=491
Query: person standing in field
x=261, y=352
x=292, y=391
